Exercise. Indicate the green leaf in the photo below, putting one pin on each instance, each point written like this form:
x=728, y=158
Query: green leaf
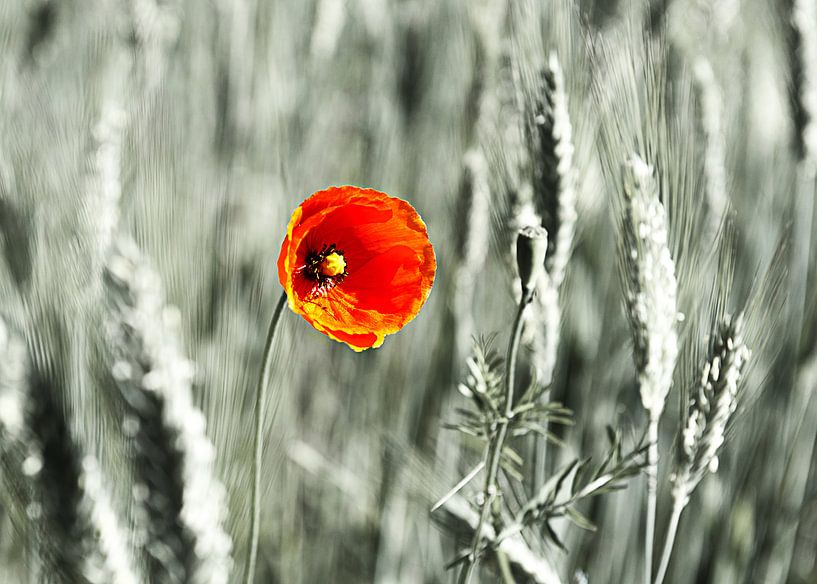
x=552, y=536
x=580, y=478
x=580, y=520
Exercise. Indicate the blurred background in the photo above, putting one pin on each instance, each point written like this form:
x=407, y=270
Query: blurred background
x=197, y=127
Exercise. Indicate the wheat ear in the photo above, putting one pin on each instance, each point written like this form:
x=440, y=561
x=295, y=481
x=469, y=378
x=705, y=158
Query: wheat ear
x=79, y=535
x=708, y=415
x=652, y=310
x=182, y=502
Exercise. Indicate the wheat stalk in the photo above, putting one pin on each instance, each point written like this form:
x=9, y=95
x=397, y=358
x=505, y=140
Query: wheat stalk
x=652, y=311
x=550, y=145
x=182, y=501
x=651, y=286
x=708, y=414
x=104, y=180
x=78, y=533
x=112, y=563
x=554, y=182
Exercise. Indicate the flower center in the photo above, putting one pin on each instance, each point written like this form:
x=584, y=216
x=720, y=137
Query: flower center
x=332, y=265
x=324, y=269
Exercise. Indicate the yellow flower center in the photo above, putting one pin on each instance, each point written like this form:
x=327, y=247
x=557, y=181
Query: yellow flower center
x=332, y=265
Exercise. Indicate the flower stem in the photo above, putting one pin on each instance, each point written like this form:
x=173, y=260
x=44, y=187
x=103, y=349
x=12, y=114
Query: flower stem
x=494, y=451
x=677, y=507
x=260, y=407
x=652, y=492
x=513, y=350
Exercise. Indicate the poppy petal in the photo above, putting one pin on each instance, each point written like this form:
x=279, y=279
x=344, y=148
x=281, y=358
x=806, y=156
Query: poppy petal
x=390, y=264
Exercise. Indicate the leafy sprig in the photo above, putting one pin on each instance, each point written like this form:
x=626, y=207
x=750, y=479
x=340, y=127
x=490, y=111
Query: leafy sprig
x=577, y=481
x=559, y=497
x=483, y=384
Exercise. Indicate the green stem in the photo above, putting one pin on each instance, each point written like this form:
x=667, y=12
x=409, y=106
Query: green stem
x=652, y=495
x=260, y=407
x=505, y=568
x=672, y=530
x=513, y=350
x=494, y=454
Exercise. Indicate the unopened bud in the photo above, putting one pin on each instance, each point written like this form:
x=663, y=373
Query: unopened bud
x=531, y=247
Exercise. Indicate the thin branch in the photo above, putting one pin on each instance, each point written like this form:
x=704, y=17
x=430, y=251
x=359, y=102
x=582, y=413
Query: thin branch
x=260, y=407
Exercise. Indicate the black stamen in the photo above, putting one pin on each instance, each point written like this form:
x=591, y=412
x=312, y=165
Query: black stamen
x=312, y=270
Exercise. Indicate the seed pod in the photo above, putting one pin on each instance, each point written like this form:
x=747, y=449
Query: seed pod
x=531, y=248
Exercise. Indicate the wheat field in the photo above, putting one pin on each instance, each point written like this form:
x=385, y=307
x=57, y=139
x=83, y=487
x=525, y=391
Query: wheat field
x=612, y=380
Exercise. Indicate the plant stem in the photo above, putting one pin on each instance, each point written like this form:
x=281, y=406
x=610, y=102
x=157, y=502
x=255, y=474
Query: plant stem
x=513, y=351
x=494, y=451
x=677, y=508
x=652, y=492
x=505, y=568
x=552, y=323
x=260, y=406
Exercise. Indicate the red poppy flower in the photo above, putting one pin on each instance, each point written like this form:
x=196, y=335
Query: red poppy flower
x=356, y=264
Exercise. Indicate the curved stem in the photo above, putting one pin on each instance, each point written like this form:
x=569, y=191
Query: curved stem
x=494, y=451
x=260, y=408
x=652, y=494
x=677, y=507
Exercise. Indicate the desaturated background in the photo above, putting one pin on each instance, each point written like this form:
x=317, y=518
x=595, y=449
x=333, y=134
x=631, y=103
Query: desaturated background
x=196, y=127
